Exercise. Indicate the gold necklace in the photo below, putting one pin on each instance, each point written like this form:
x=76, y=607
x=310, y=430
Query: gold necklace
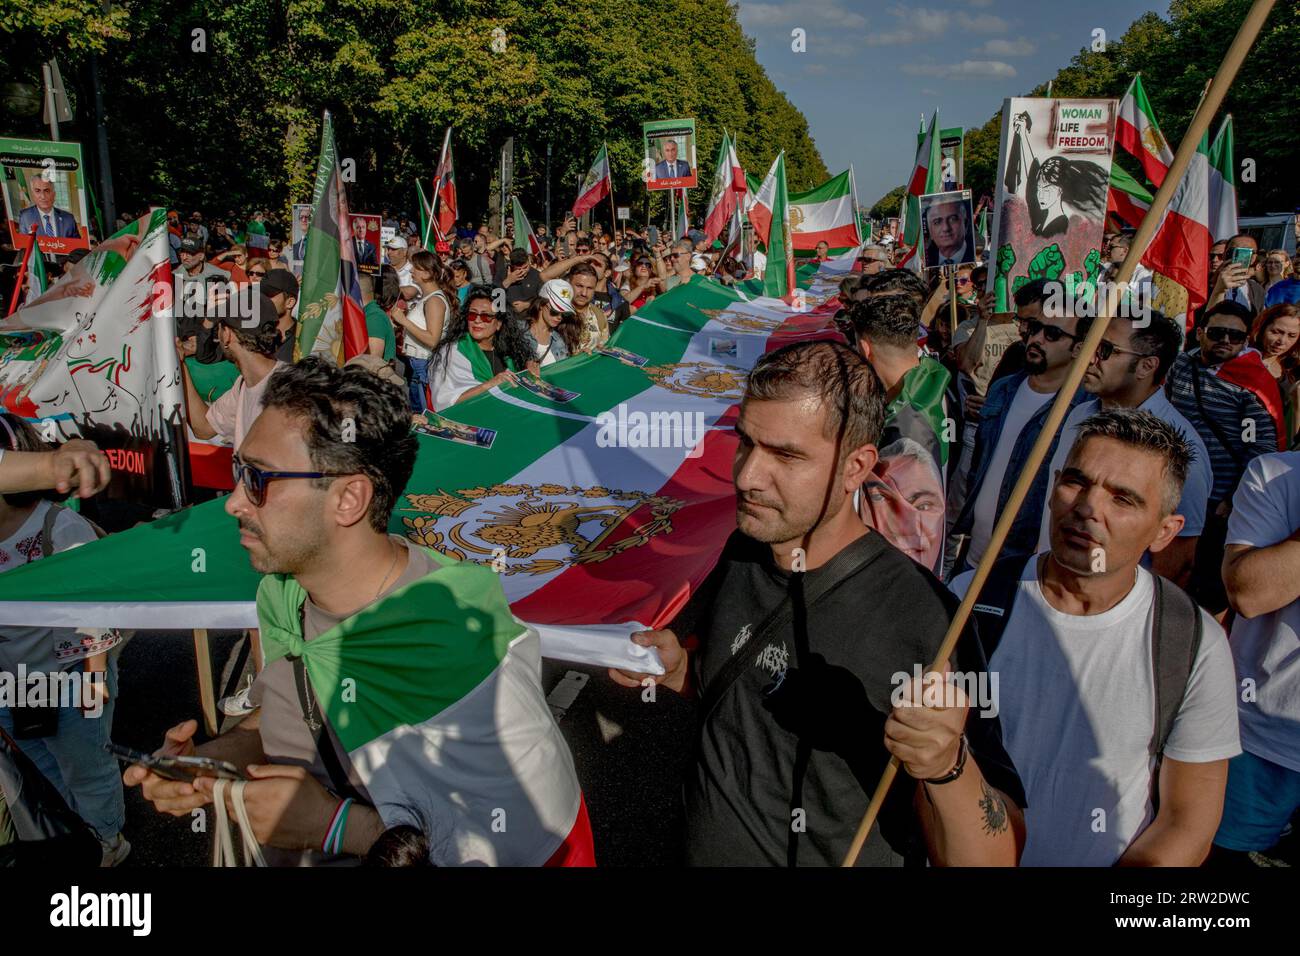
x=397, y=553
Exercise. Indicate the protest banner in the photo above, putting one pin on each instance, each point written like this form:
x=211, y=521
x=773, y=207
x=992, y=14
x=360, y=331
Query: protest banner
x=670, y=154
x=45, y=189
x=95, y=357
x=1053, y=180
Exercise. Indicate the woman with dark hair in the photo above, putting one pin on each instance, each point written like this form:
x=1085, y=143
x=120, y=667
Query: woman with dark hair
x=481, y=351
x=1064, y=185
x=425, y=323
x=1277, y=337
x=1055, y=188
x=555, y=333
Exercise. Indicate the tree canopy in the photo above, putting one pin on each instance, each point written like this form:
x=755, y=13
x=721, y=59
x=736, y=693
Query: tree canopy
x=229, y=117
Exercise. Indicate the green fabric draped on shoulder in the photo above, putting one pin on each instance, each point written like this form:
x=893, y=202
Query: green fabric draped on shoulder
x=401, y=661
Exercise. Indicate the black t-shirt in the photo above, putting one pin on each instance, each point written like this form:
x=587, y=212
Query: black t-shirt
x=829, y=712
x=614, y=316
x=496, y=360
x=522, y=291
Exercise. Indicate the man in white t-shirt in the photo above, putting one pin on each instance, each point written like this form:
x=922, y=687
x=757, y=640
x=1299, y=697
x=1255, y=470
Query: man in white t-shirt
x=251, y=344
x=1128, y=371
x=399, y=259
x=1261, y=572
x=1077, y=691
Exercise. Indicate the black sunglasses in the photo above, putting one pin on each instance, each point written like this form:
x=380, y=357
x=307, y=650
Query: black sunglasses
x=1052, y=333
x=255, y=479
x=1219, y=332
x=1106, y=348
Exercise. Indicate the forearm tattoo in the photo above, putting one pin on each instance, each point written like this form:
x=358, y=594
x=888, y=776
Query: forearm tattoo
x=995, y=810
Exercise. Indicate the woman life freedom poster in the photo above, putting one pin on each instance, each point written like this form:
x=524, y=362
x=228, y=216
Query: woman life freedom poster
x=1050, y=211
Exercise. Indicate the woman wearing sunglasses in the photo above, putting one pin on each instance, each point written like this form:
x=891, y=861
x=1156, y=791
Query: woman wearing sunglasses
x=480, y=352
x=1276, y=335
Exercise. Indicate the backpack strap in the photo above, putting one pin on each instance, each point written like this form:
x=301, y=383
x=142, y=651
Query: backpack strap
x=993, y=609
x=1175, y=642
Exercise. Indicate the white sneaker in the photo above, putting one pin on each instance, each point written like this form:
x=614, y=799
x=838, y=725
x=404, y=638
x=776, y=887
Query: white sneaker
x=237, y=704
x=115, y=850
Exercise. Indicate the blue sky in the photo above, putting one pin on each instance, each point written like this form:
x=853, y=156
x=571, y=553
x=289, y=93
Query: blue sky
x=871, y=67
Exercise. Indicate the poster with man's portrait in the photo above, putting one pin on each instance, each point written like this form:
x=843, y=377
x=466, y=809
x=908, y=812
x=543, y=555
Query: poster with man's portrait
x=670, y=154
x=366, y=242
x=948, y=229
x=298, y=234
x=45, y=192
x=1053, y=179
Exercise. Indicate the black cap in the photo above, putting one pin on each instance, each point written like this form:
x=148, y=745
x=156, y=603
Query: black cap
x=191, y=244
x=279, y=280
x=264, y=313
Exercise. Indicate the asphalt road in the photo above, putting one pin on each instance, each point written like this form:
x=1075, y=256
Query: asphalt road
x=630, y=755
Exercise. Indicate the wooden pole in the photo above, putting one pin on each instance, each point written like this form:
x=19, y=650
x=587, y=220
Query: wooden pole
x=1209, y=105
x=952, y=301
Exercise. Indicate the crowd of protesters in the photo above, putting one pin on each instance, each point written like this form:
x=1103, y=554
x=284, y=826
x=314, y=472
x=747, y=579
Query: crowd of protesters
x=1164, y=517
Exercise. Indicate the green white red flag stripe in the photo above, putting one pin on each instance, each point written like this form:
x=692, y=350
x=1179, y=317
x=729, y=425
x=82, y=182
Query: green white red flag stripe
x=825, y=214
x=525, y=238
x=1126, y=197
x=770, y=215
x=729, y=186
x=595, y=186
x=926, y=178
x=1137, y=131
x=134, y=578
x=444, y=191
x=1181, y=247
x=1223, y=184
x=331, y=318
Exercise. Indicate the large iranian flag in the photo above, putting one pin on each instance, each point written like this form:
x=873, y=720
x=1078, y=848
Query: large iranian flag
x=331, y=318
x=1181, y=247
x=596, y=185
x=597, y=513
x=729, y=188
x=1223, y=184
x=1138, y=132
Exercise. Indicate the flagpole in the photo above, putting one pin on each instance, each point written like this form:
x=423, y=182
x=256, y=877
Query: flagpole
x=609, y=171
x=22, y=274
x=1209, y=105
x=952, y=299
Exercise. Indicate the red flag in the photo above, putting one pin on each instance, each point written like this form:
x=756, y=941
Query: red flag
x=445, y=189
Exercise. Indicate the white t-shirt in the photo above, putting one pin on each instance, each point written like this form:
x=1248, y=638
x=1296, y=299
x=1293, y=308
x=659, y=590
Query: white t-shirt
x=410, y=347
x=233, y=413
x=404, y=277
x=1023, y=406
x=1077, y=700
x=44, y=649
x=1266, y=649
x=760, y=264
x=1200, y=476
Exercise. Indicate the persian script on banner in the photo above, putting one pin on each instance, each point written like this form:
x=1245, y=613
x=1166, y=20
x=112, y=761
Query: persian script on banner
x=95, y=356
x=1053, y=180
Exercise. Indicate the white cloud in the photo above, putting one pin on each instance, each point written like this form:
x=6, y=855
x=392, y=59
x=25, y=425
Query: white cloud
x=920, y=24
x=964, y=68
x=806, y=13
x=815, y=69
x=1020, y=46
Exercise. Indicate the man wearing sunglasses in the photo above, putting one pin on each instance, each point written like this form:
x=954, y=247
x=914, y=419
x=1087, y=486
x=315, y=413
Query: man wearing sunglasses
x=1128, y=371
x=679, y=261
x=1221, y=391
x=1014, y=412
x=437, y=718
